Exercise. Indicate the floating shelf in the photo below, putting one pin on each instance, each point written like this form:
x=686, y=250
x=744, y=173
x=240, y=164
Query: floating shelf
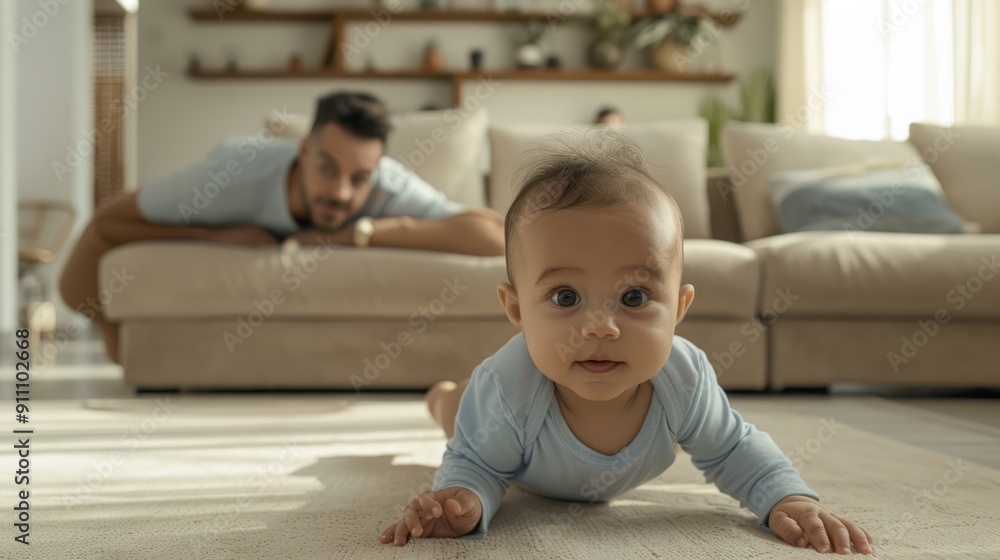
x=511, y=74
x=334, y=56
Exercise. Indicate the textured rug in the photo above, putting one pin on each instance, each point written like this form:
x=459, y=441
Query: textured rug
x=301, y=478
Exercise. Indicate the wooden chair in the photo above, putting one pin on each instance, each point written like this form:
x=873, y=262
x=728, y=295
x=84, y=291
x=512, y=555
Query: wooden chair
x=44, y=227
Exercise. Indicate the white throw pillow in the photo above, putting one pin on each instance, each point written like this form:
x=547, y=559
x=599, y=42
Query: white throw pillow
x=445, y=148
x=966, y=160
x=675, y=152
x=754, y=150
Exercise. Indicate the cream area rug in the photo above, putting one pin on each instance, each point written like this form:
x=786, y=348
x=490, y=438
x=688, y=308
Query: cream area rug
x=300, y=477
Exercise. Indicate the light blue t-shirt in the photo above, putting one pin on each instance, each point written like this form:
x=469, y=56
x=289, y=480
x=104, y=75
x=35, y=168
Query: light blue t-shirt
x=244, y=180
x=510, y=429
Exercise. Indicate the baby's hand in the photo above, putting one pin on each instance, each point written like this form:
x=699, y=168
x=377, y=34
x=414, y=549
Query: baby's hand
x=446, y=513
x=802, y=521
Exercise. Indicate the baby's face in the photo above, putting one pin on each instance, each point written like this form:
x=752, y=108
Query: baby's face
x=598, y=296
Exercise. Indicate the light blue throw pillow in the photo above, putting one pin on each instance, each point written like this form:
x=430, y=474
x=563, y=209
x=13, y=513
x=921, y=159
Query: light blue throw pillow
x=868, y=197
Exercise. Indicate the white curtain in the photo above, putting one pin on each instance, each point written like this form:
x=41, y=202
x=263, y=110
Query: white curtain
x=800, y=96
x=977, y=62
x=866, y=69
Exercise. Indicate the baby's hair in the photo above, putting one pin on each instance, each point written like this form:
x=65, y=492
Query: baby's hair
x=597, y=168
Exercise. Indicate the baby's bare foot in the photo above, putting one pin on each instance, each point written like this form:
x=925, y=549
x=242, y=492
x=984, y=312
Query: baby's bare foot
x=442, y=401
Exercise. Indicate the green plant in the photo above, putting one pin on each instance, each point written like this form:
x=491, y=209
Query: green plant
x=529, y=33
x=655, y=29
x=610, y=20
x=757, y=104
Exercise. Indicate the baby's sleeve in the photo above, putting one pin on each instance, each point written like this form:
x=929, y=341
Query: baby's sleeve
x=741, y=460
x=487, y=447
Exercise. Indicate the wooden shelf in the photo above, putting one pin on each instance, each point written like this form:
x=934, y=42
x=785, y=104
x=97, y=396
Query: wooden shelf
x=325, y=16
x=510, y=74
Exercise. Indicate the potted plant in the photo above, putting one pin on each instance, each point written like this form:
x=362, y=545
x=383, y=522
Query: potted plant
x=528, y=37
x=669, y=37
x=609, y=23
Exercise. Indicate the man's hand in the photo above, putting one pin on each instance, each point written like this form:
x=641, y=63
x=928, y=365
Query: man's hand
x=801, y=521
x=248, y=235
x=443, y=514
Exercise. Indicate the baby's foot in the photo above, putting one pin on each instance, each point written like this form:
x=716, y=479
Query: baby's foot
x=442, y=401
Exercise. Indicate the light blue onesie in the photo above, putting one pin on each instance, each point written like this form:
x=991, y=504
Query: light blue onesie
x=510, y=429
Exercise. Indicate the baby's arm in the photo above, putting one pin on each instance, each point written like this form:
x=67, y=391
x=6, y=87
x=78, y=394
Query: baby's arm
x=474, y=475
x=746, y=464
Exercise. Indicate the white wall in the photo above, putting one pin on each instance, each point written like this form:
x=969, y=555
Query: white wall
x=55, y=108
x=8, y=174
x=181, y=119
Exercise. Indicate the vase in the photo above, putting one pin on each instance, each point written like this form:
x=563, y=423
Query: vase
x=672, y=56
x=604, y=54
x=660, y=6
x=529, y=55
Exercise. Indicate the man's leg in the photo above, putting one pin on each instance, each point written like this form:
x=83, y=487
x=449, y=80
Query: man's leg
x=442, y=401
x=79, y=285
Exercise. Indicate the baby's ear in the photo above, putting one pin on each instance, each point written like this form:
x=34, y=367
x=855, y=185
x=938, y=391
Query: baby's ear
x=684, y=300
x=508, y=299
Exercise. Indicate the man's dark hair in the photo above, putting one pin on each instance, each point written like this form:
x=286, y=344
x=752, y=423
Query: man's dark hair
x=361, y=114
x=605, y=111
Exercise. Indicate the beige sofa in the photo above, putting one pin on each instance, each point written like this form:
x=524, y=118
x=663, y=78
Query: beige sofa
x=204, y=316
x=869, y=307
x=779, y=311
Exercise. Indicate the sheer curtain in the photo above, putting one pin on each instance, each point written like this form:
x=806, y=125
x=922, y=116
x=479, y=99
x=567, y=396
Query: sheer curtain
x=977, y=62
x=882, y=64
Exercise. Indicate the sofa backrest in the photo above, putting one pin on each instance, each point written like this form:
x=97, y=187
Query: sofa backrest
x=675, y=151
x=754, y=150
x=966, y=160
x=445, y=148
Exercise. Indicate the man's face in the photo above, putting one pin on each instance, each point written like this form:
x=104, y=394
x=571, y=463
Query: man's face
x=599, y=296
x=337, y=169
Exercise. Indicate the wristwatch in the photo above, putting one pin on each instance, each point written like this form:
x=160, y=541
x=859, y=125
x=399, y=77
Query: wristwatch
x=363, y=230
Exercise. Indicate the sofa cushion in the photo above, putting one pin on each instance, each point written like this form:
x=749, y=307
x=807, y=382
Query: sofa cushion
x=167, y=280
x=755, y=150
x=674, y=150
x=881, y=275
x=173, y=279
x=964, y=158
x=878, y=197
x=445, y=148
x=726, y=279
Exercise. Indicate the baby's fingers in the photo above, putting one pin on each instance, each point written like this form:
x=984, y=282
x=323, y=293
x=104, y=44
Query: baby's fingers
x=859, y=536
x=412, y=519
x=430, y=506
x=788, y=529
x=816, y=531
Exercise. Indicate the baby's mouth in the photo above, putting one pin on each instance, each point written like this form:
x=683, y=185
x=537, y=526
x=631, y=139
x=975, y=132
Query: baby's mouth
x=599, y=366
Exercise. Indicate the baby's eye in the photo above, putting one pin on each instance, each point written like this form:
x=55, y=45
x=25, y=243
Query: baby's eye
x=634, y=298
x=565, y=298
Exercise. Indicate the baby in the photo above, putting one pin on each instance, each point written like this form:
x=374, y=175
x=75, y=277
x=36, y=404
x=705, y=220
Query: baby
x=596, y=379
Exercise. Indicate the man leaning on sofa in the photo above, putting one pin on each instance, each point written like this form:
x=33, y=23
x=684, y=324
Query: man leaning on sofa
x=335, y=186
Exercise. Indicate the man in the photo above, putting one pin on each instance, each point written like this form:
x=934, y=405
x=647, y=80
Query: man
x=333, y=187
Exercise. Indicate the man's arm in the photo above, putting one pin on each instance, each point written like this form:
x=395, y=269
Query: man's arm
x=120, y=221
x=478, y=231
